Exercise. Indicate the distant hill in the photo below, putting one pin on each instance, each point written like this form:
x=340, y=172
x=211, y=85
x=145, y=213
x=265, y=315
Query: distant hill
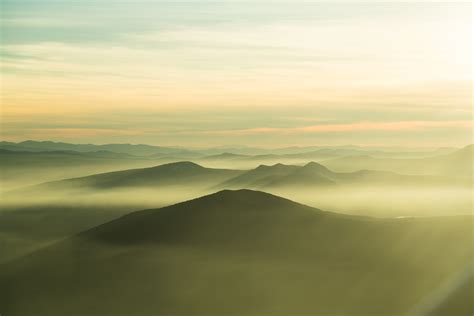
x=457, y=163
x=259, y=176
x=173, y=174
x=242, y=253
x=314, y=174
x=21, y=168
x=279, y=176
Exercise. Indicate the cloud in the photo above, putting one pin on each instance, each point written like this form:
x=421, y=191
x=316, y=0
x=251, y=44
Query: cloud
x=362, y=65
x=401, y=126
x=71, y=133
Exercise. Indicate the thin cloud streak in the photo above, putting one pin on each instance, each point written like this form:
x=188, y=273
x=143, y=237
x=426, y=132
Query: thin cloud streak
x=402, y=126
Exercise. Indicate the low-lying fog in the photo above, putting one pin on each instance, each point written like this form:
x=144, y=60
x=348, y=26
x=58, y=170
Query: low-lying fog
x=376, y=201
x=34, y=217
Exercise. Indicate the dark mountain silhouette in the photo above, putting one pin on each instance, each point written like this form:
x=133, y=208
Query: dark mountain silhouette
x=312, y=174
x=183, y=173
x=259, y=176
x=315, y=174
x=279, y=176
x=240, y=253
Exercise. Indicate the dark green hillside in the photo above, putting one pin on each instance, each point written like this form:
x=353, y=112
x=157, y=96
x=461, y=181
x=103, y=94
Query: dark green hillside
x=242, y=253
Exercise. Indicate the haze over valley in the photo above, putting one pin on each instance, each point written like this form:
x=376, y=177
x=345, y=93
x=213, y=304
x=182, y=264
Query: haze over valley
x=35, y=215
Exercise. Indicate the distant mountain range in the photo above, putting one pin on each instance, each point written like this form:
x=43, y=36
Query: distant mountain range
x=246, y=253
x=457, y=163
x=279, y=176
x=310, y=152
x=49, y=161
x=181, y=174
x=137, y=150
x=315, y=175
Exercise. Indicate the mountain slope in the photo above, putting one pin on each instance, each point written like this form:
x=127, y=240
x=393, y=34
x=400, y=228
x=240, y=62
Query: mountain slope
x=180, y=173
x=21, y=168
x=259, y=176
x=313, y=174
x=240, y=253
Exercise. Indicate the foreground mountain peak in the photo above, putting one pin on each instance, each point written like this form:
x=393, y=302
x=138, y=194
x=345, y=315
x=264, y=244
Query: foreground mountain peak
x=244, y=195
x=238, y=198
x=221, y=253
x=181, y=164
x=217, y=218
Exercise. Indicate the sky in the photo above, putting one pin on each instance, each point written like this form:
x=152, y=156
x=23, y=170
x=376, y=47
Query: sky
x=257, y=73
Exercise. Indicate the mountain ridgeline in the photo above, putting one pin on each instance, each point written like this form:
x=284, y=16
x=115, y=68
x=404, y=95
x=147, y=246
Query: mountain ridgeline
x=316, y=175
x=31, y=162
x=278, y=176
x=181, y=173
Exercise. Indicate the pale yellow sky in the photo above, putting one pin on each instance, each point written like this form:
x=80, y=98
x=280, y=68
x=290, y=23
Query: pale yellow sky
x=137, y=72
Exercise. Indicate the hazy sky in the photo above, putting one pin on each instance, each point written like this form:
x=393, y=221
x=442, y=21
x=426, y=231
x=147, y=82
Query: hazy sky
x=265, y=73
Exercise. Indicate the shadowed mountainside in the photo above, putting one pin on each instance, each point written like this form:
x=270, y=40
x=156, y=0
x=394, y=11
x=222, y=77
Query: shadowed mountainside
x=241, y=253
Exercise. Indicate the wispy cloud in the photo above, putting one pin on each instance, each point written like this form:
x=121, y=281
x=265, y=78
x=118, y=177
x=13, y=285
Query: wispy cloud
x=402, y=126
x=362, y=67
